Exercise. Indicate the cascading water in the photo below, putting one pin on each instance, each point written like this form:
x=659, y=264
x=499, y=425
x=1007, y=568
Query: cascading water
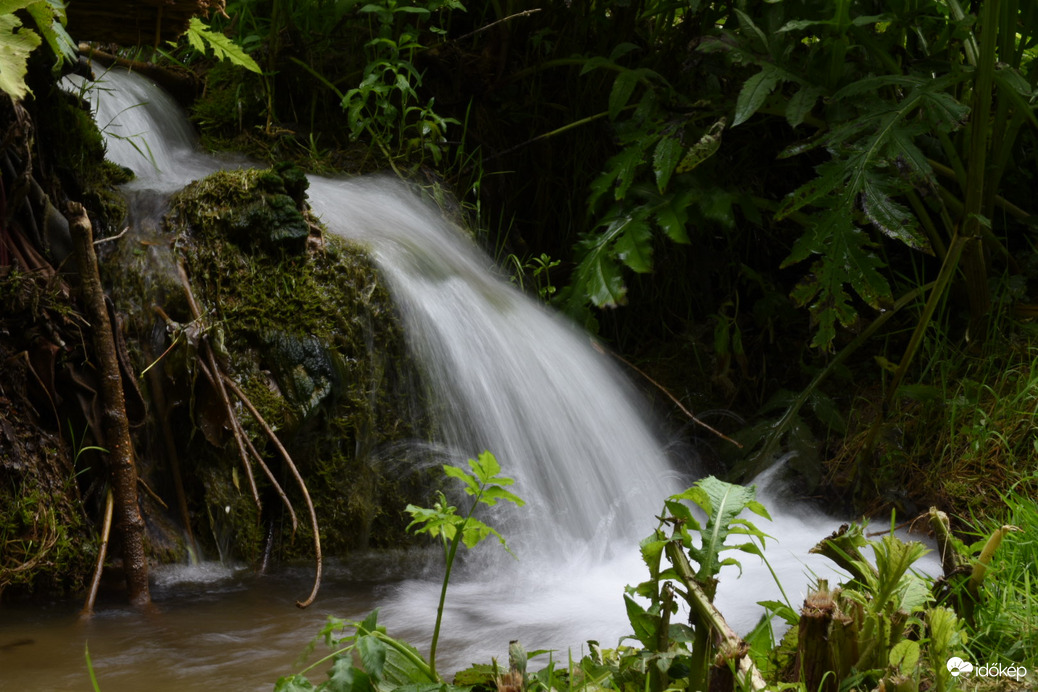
x=503, y=374
x=508, y=375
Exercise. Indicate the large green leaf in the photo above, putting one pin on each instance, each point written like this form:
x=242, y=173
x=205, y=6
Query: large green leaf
x=16, y=43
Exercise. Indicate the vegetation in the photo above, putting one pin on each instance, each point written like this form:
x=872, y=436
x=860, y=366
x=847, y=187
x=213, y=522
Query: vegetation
x=887, y=627
x=812, y=216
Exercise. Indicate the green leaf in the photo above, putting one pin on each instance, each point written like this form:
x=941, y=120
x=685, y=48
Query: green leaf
x=598, y=275
x=643, y=623
x=892, y=219
x=343, y=677
x=623, y=89
x=706, y=147
x=904, y=656
x=293, y=683
x=16, y=43
x=634, y=244
x=753, y=93
x=672, y=216
x=49, y=16
x=372, y=655
x=665, y=158
x=494, y=493
x=723, y=503
x=486, y=468
x=471, y=484
x=801, y=104
x=199, y=34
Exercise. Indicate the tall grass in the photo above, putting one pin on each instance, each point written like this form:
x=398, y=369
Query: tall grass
x=1005, y=629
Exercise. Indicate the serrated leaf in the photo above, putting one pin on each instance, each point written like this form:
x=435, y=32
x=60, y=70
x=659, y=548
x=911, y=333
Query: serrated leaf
x=748, y=26
x=223, y=47
x=831, y=175
x=753, y=93
x=892, y=219
x=471, y=484
x=664, y=159
x=343, y=677
x=494, y=493
x=293, y=683
x=372, y=655
x=672, y=216
x=626, y=164
x=16, y=43
x=643, y=623
x=486, y=467
x=634, y=244
x=597, y=275
x=845, y=260
x=50, y=17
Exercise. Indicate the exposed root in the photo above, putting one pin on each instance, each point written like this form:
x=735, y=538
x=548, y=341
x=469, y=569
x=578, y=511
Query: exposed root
x=102, y=552
x=299, y=479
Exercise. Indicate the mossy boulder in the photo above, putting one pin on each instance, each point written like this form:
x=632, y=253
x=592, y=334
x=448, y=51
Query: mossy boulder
x=304, y=327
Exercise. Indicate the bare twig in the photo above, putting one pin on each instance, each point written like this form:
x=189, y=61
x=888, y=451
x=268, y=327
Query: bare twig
x=598, y=347
x=110, y=238
x=212, y=372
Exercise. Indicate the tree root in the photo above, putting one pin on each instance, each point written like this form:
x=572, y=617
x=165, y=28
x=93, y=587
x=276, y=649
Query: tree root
x=222, y=382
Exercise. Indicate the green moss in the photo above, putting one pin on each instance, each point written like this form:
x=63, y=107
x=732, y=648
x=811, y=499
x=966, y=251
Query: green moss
x=311, y=336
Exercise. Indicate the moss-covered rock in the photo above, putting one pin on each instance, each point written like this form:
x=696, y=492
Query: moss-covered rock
x=304, y=327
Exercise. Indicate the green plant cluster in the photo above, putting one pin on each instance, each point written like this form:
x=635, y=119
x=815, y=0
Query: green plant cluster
x=887, y=627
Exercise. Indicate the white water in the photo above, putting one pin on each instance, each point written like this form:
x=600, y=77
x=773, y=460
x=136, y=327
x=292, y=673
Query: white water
x=509, y=376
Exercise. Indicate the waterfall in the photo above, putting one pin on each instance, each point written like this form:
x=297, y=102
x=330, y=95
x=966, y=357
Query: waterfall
x=507, y=375
x=502, y=373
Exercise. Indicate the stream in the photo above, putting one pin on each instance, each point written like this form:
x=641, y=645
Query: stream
x=512, y=377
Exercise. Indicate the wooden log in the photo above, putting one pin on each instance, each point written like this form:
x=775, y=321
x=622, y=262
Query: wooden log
x=136, y=23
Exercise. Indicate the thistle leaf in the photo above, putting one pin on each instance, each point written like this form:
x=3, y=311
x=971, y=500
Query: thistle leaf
x=892, y=219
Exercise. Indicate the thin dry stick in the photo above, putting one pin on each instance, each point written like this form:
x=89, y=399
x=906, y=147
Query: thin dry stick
x=524, y=13
x=270, y=477
x=595, y=345
x=213, y=375
x=299, y=479
x=102, y=552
